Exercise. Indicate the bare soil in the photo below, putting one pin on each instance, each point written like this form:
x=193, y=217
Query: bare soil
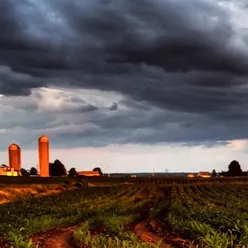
x=61, y=238
x=169, y=236
x=147, y=236
x=151, y=233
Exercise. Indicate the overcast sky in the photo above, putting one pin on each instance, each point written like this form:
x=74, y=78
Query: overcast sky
x=126, y=85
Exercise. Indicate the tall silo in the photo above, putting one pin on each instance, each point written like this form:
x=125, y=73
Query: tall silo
x=43, y=146
x=15, y=157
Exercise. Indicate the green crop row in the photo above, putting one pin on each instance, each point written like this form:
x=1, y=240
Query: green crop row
x=21, y=219
x=213, y=216
x=208, y=215
x=115, y=237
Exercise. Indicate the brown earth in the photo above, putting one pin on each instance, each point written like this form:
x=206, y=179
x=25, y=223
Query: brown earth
x=169, y=237
x=60, y=238
x=146, y=235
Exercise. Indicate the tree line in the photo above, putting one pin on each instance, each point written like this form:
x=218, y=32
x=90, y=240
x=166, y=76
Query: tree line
x=56, y=169
x=234, y=170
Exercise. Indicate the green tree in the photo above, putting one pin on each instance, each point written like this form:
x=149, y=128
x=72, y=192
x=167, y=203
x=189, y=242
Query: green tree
x=24, y=172
x=57, y=169
x=99, y=170
x=72, y=172
x=234, y=169
x=33, y=171
x=214, y=174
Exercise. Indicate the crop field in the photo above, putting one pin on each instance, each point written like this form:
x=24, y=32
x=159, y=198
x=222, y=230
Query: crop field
x=131, y=216
x=104, y=180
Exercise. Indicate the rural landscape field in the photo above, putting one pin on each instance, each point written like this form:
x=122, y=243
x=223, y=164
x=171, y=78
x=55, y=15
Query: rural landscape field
x=123, y=124
x=119, y=215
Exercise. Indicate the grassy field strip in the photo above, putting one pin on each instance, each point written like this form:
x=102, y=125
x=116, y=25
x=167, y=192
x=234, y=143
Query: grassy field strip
x=8, y=194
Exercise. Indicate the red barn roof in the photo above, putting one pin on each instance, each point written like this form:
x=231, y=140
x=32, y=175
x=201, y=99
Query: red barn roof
x=204, y=173
x=88, y=173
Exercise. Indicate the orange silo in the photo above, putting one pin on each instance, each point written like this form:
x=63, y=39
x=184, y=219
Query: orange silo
x=43, y=146
x=15, y=157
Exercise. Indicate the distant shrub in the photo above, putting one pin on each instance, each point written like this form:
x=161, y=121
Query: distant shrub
x=214, y=173
x=72, y=172
x=24, y=172
x=67, y=182
x=33, y=171
x=79, y=185
x=99, y=170
x=83, y=180
x=64, y=185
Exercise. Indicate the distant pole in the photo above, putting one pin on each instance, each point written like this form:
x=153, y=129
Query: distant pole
x=153, y=172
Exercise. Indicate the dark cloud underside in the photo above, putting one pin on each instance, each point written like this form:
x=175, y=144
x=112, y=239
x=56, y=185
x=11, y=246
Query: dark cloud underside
x=183, y=56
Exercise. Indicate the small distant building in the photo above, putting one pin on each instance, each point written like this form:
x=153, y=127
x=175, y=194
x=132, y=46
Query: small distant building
x=6, y=171
x=204, y=174
x=133, y=176
x=89, y=173
x=190, y=175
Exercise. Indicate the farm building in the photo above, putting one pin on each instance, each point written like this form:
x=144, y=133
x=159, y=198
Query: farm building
x=89, y=173
x=204, y=174
x=191, y=175
x=6, y=171
x=15, y=157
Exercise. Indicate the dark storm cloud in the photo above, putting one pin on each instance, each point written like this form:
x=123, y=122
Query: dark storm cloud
x=175, y=35
x=102, y=127
x=14, y=83
x=147, y=127
x=177, y=55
